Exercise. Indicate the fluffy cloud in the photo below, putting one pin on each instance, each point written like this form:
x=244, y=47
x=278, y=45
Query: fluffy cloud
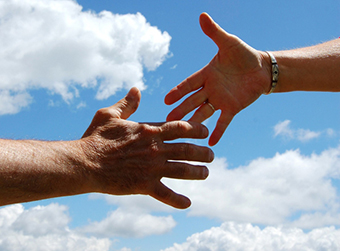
x=231, y=236
x=43, y=228
x=56, y=46
x=283, y=129
x=289, y=188
x=141, y=203
x=128, y=223
x=46, y=228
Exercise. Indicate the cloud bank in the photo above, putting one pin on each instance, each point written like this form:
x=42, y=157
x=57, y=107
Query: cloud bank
x=129, y=223
x=289, y=189
x=43, y=228
x=46, y=228
x=232, y=237
x=56, y=46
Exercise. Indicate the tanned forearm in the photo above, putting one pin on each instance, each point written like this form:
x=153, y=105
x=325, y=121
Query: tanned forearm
x=314, y=68
x=33, y=170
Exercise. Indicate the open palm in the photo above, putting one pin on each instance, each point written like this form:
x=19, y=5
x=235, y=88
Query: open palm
x=235, y=78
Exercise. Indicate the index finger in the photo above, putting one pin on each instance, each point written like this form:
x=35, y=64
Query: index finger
x=192, y=83
x=183, y=129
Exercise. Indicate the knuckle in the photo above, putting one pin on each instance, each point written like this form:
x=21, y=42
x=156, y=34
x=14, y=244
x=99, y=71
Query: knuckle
x=151, y=142
x=184, y=171
x=189, y=150
x=144, y=128
x=182, y=127
x=147, y=130
x=103, y=114
x=153, y=151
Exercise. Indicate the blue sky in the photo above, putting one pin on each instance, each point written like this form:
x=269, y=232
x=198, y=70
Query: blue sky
x=277, y=167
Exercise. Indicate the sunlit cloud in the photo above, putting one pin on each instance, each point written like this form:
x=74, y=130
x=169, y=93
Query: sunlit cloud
x=284, y=189
x=284, y=130
x=232, y=237
x=55, y=45
x=43, y=228
x=129, y=223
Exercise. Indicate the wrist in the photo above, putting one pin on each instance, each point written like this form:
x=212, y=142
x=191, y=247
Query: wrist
x=267, y=68
x=67, y=173
x=69, y=163
x=274, y=73
x=92, y=159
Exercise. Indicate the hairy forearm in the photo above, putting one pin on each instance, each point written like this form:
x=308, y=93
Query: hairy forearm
x=33, y=170
x=314, y=68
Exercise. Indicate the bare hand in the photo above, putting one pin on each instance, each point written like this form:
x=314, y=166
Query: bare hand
x=126, y=157
x=235, y=78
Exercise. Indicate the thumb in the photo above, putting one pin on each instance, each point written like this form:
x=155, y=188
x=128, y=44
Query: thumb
x=214, y=31
x=125, y=107
x=121, y=110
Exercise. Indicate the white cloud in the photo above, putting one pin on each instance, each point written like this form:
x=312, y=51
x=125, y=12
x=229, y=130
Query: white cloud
x=81, y=105
x=55, y=45
x=142, y=203
x=46, y=228
x=11, y=103
x=289, y=189
x=330, y=132
x=43, y=228
x=283, y=129
x=129, y=223
x=231, y=236
x=125, y=249
x=173, y=67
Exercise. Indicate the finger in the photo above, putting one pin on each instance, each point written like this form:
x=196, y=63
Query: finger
x=164, y=194
x=189, y=104
x=192, y=83
x=183, y=129
x=178, y=170
x=221, y=125
x=190, y=152
x=215, y=32
x=126, y=106
x=202, y=113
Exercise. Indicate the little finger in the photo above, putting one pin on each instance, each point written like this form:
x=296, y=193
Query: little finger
x=166, y=195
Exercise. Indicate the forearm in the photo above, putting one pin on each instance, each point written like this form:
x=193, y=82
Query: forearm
x=33, y=170
x=315, y=68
